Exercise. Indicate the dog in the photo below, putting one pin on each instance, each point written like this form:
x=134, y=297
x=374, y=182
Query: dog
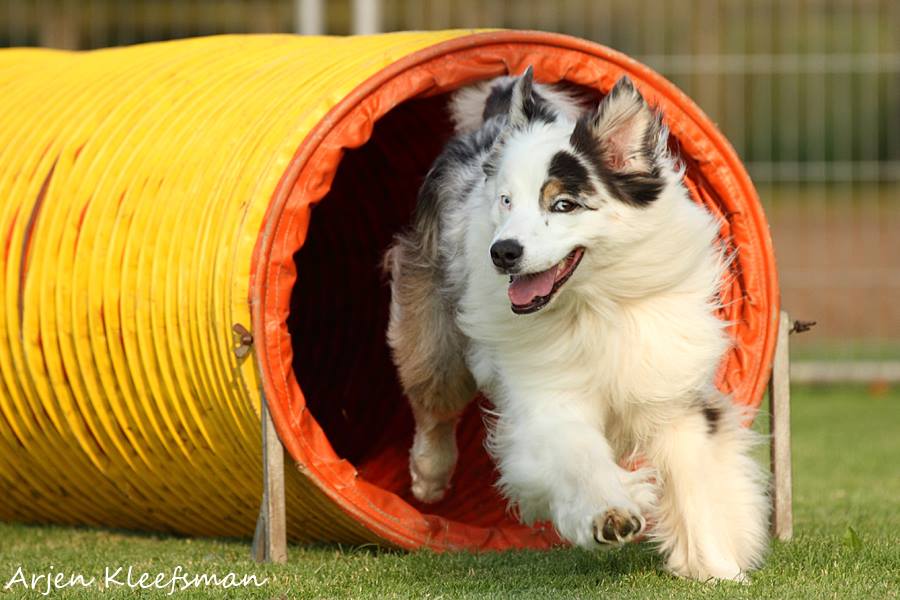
x=556, y=262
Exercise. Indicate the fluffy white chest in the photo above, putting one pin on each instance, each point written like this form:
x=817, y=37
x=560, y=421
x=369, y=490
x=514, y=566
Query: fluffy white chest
x=649, y=353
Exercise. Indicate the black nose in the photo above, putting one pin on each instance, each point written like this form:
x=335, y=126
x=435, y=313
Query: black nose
x=506, y=253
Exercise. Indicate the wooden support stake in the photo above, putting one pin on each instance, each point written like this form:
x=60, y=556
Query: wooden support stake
x=780, y=425
x=270, y=538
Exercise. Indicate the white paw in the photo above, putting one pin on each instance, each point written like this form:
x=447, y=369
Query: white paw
x=587, y=525
x=426, y=489
x=431, y=467
x=617, y=526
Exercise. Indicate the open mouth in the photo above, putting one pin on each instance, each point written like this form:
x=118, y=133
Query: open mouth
x=532, y=291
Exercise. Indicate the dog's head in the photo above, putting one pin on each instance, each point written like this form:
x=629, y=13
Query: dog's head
x=561, y=189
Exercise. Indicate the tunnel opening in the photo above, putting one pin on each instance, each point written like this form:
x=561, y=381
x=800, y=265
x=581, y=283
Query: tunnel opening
x=339, y=311
x=321, y=300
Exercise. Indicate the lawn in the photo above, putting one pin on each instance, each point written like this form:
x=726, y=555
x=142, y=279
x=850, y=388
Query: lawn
x=847, y=539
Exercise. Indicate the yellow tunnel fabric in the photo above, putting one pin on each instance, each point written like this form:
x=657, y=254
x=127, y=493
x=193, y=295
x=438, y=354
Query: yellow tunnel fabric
x=134, y=182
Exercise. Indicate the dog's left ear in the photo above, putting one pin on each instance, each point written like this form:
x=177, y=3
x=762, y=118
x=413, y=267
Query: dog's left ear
x=626, y=141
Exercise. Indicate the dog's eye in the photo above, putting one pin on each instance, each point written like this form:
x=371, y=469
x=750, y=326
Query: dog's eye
x=505, y=200
x=563, y=206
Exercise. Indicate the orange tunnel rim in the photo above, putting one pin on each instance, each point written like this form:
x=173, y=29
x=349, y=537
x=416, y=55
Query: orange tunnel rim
x=436, y=69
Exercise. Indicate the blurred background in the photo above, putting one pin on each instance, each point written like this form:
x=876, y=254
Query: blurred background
x=808, y=92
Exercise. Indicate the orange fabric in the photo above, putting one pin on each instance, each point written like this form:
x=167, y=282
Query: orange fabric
x=715, y=177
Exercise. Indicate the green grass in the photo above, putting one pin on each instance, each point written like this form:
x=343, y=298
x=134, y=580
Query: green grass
x=846, y=451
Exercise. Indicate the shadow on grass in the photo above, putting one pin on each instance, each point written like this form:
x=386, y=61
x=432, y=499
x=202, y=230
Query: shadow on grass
x=425, y=572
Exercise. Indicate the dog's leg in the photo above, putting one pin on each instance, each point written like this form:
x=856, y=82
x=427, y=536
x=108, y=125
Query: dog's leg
x=712, y=516
x=555, y=463
x=428, y=349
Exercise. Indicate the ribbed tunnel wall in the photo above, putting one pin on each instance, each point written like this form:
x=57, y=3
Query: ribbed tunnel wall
x=154, y=196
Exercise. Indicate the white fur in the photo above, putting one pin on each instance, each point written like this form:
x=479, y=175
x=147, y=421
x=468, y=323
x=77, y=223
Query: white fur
x=619, y=364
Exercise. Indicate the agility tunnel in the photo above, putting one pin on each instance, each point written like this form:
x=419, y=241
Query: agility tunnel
x=155, y=196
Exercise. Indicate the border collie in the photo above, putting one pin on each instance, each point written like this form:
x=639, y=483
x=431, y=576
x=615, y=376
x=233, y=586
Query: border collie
x=556, y=263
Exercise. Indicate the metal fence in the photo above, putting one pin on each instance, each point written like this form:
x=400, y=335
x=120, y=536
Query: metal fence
x=808, y=91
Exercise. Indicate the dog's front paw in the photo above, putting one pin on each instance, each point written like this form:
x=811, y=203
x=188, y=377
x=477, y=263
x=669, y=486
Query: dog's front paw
x=617, y=526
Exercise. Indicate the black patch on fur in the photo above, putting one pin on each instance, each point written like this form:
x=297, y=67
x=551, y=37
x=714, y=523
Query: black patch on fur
x=489, y=167
x=636, y=189
x=534, y=106
x=713, y=415
x=570, y=171
x=498, y=101
x=582, y=139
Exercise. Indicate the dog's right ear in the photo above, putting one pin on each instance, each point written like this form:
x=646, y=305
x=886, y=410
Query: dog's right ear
x=521, y=103
x=525, y=104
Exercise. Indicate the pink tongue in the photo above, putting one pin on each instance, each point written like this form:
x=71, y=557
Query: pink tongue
x=525, y=289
